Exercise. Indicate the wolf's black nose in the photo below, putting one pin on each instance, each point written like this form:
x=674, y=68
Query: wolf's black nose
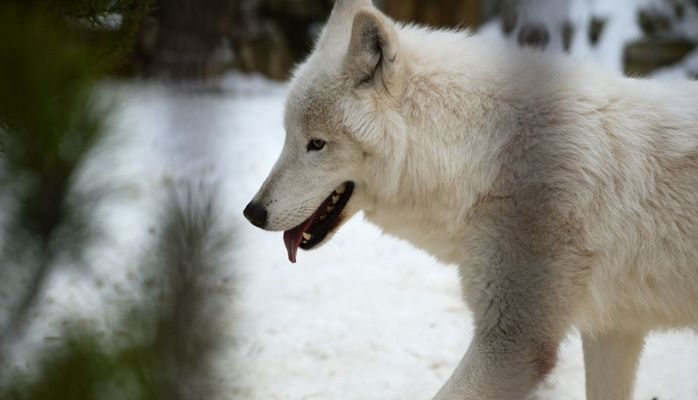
x=256, y=213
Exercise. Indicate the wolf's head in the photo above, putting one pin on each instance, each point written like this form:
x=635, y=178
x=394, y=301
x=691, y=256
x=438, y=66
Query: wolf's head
x=341, y=120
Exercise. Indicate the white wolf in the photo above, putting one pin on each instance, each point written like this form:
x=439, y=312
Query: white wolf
x=567, y=195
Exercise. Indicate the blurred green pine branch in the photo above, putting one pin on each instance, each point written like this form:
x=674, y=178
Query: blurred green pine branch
x=53, y=53
x=49, y=119
x=82, y=369
x=48, y=115
x=166, y=344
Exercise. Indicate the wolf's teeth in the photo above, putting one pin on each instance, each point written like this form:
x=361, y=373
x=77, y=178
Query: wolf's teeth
x=340, y=190
x=306, y=236
x=335, y=199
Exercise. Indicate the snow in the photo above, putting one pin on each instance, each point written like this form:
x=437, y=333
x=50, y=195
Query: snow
x=620, y=28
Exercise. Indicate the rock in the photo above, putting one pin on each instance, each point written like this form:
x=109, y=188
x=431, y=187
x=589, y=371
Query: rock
x=644, y=56
x=596, y=26
x=533, y=35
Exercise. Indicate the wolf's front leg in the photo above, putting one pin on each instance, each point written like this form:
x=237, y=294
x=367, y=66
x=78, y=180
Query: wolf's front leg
x=522, y=310
x=499, y=368
x=610, y=361
x=524, y=278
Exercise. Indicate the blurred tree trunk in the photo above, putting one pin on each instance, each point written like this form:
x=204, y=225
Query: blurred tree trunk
x=436, y=13
x=270, y=36
x=183, y=38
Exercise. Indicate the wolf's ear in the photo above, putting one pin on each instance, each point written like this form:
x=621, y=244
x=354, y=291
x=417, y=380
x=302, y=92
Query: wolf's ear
x=373, y=48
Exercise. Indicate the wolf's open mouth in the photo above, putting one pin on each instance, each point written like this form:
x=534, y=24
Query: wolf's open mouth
x=314, y=229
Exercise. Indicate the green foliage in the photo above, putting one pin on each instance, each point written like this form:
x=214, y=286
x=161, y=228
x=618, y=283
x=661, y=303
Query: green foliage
x=44, y=113
x=84, y=370
x=48, y=117
x=108, y=27
x=49, y=120
x=165, y=344
x=53, y=52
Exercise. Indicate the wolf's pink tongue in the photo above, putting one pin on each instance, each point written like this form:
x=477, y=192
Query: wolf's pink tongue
x=293, y=237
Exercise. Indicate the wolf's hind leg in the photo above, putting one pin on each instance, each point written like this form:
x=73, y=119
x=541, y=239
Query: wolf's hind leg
x=610, y=361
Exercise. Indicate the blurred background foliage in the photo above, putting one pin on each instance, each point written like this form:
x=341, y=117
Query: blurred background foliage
x=54, y=55
x=49, y=120
x=271, y=36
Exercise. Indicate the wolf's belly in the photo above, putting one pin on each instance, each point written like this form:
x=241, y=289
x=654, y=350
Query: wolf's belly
x=641, y=295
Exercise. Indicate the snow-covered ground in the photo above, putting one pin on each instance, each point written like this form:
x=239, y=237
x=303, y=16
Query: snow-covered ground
x=364, y=317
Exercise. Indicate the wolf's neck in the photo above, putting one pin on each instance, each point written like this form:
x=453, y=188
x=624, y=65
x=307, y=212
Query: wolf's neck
x=440, y=176
x=430, y=227
x=448, y=155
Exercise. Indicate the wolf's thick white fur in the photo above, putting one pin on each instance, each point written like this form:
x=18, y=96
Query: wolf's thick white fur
x=567, y=195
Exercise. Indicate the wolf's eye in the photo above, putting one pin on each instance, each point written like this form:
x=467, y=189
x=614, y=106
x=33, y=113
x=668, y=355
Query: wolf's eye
x=315, y=144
